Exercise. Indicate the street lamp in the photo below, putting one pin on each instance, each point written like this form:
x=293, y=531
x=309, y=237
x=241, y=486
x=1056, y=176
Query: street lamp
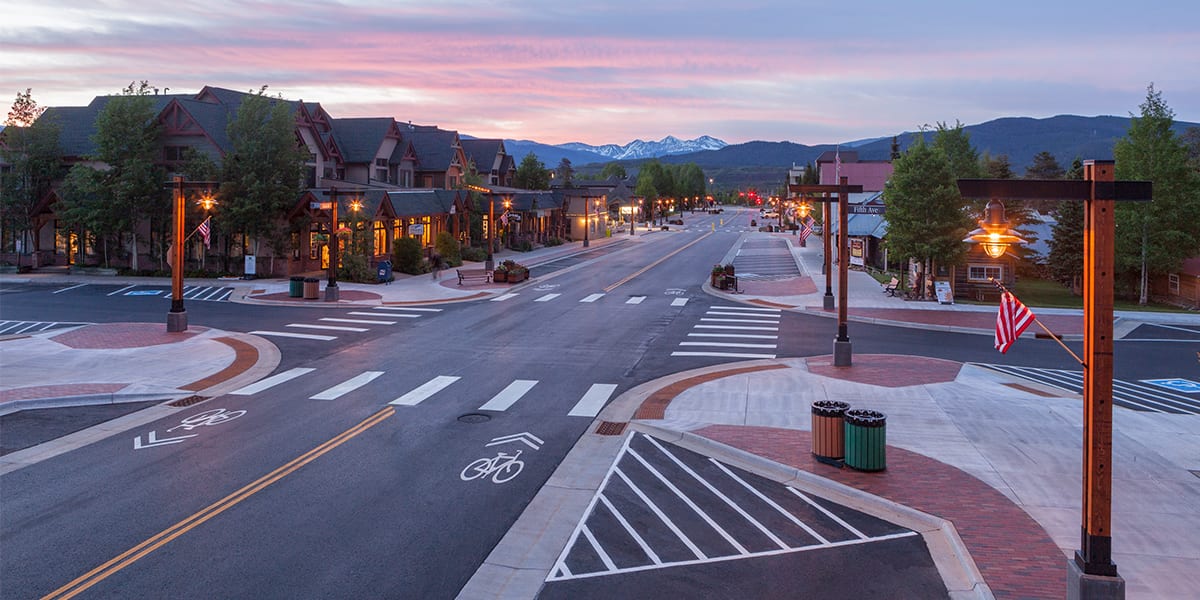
x=993, y=233
x=177, y=316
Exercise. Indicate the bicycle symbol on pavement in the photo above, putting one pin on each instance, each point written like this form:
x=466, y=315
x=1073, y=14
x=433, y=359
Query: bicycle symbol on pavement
x=215, y=416
x=500, y=471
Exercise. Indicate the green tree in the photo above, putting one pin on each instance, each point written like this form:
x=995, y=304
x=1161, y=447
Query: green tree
x=531, y=174
x=924, y=209
x=1066, y=243
x=811, y=175
x=263, y=173
x=1191, y=138
x=111, y=201
x=955, y=143
x=613, y=169
x=996, y=167
x=1156, y=237
x=565, y=173
x=1044, y=166
x=895, y=153
x=691, y=183
x=29, y=144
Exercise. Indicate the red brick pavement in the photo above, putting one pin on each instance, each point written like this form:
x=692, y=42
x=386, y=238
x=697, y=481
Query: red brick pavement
x=655, y=405
x=1059, y=324
x=888, y=370
x=1016, y=557
x=105, y=336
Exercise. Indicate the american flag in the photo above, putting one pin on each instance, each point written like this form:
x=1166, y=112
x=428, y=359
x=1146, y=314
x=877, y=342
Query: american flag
x=205, y=231
x=806, y=228
x=1012, y=320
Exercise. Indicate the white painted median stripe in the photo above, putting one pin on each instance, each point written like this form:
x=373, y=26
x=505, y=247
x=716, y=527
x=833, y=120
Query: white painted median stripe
x=347, y=386
x=744, y=336
x=742, y=327
x=271, y=381
x=723, y=354
x=327, y=327
x=509, y=395
x=592, y=298
x=547, y=297
x=593, y=400
x=635, y=300
x=728, y=345
x=412, y=308
x=679, y=302
x=426, y=390
x=359, y=321
x=288, y=334
x=503, y=297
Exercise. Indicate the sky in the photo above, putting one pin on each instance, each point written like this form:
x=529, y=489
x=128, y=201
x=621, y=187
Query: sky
x=603, y=72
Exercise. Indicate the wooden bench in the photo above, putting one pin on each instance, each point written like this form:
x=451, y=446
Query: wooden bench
x=890, y=287
x=473, y=274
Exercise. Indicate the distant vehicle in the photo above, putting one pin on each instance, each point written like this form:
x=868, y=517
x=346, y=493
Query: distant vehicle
x=770, y=215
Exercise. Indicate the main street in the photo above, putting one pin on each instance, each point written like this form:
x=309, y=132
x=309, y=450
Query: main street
x=349, y=472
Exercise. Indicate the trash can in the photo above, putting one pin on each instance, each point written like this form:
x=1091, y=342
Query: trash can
x=384, y=271
x=295, y=287
x=866, y=439
x=828, y=435
x=311, y=287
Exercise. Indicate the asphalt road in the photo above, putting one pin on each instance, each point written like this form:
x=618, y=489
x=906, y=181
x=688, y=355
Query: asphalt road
x=354, y=477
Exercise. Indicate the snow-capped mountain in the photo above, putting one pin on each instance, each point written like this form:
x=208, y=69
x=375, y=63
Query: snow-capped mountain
x=643, y=149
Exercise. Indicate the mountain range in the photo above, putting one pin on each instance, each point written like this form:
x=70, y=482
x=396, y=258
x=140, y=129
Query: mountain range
x=1066, y=137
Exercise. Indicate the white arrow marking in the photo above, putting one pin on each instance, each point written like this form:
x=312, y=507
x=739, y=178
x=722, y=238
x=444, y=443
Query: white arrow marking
x=524, y=437
x=152, y=440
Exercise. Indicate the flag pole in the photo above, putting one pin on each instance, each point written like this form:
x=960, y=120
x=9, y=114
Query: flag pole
x=1044, y=328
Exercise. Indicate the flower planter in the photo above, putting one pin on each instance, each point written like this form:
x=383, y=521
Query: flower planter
x=499, y=276
x=518, y=277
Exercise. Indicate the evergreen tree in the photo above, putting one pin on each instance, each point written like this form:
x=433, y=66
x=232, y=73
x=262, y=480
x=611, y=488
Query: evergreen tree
x=29, y=144
x=1044, y=166
x=955, y=143
x=996, y=167
x=1156, y=237
x=895, y=148
x=565, y=173
x=1066, y=244
x=531, y=174
x=924, y=209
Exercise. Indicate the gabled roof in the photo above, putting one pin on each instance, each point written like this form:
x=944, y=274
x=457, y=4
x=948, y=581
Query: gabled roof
x=435, y=148
x=77, y=124
x=421, y=202
x=529, y=200
x=482, y=151
x=360, y=138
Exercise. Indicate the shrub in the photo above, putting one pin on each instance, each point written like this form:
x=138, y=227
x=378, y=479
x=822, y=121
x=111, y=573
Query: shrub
x=474, y=254
x=357, y=268
x=554, y=241
x=449, y=249
x=523, y=246
x=406, y=256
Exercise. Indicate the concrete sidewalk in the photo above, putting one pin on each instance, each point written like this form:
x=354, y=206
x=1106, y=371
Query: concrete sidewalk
x=988, y=470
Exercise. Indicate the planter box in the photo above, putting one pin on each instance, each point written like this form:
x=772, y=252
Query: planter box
x=499, y=276
x=518, y=277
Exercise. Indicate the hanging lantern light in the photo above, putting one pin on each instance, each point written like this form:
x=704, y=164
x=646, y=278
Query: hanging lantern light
x=993, y=233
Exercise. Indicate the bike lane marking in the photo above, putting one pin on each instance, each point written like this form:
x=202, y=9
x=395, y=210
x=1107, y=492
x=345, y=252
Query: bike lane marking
x=425, y=390
x=132, y=555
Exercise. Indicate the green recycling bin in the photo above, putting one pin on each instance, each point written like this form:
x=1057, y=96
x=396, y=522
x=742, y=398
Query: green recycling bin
x=295, y=287
x=866, y=439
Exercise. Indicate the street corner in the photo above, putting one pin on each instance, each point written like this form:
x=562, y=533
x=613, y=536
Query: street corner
x=887, y=370
x=115, y=336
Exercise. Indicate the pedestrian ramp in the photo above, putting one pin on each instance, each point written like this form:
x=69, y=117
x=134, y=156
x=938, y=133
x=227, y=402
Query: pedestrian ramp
x=661, y=506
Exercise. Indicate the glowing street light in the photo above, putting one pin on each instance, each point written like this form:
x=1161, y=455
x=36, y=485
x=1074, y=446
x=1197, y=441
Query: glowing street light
x=993, y=233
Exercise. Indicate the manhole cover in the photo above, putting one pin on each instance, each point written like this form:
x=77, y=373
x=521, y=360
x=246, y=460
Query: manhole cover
x=474, y=418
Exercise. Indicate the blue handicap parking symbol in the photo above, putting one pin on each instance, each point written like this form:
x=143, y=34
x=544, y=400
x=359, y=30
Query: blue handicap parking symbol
x=1186, y=386
x=144, y=293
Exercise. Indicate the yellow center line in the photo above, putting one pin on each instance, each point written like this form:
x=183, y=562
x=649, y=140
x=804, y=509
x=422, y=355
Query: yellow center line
x=155, y=542
x=655, y=263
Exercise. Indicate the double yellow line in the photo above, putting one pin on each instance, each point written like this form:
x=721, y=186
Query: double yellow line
x=135, y=553
x=655, y=263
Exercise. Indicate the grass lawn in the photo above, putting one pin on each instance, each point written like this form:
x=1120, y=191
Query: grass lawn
x=1052, y=294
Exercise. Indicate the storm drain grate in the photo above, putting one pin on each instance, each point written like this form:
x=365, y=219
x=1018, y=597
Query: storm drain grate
x=1196, y=473
x=190, y=400
x=611, y=428
x=474, y=418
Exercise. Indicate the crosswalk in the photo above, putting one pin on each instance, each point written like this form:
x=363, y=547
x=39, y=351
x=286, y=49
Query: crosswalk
x=1133, y=395
x=734, y=332
x=546, y=297
x=356, y=321
x=31, y=327
x=588, y=405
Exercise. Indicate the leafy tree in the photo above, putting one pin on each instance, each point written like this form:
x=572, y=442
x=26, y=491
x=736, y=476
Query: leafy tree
x=925, y=217
x=263, y=173
x=690, y=182
x=29, y=145
x=996, y=167
x=955, y=143
x=1156, y=237
x=811, y=175
x=531, y=174
x=613, y=169
x=1066, y=244
x=1044, y=166
x=115, y=200
x=565, y=173
x=645, y=188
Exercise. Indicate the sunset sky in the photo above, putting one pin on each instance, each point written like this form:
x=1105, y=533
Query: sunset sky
x=611, y=71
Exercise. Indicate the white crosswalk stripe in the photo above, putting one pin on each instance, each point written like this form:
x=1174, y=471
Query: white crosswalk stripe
x=547, y=297
x=271, y=381
x=592, y=298
x=503, y=297
x=635, y=300
x=509, y=395
x=291, y=334
x=406, y=309
x=727, y=320
x=593, y=400
x=425, y=390
x=679, y=302
x=327, y=327
x=347, y=386
x=360, y=321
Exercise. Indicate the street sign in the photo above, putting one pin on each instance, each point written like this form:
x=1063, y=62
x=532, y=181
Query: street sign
x=866, y=209
x=320, y=205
